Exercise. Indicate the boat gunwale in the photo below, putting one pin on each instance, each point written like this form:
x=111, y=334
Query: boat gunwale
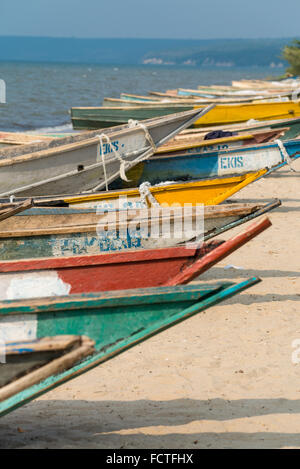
x=115, y=298
x=63, y=145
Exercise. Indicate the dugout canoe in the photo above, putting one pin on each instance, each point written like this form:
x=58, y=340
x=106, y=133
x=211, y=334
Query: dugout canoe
x=114, y=321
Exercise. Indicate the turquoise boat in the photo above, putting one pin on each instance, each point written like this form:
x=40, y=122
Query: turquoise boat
x=113, y=322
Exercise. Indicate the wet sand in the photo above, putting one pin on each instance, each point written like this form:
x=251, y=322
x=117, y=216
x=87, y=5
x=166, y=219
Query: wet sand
x=223, y=379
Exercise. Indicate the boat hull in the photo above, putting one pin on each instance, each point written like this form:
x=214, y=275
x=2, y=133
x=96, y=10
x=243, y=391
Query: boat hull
x=64, y=232
x=189, y=165
x=114, y=321
x=81, y=163
x=222, y=114
x=44, y=277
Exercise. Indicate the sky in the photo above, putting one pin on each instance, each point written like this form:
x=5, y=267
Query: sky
x=178, y=19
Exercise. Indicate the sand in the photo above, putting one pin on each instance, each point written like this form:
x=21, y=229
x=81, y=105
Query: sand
x=223, y=379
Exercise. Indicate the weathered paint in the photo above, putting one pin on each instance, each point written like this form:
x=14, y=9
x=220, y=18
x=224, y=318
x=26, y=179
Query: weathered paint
x=70, y=165
x=115, y=322
x=197, y=144
x=132, y=269
x=21, y=239
x=184, y=167
x=207, y=192
x=18, y=328
x=32, y=285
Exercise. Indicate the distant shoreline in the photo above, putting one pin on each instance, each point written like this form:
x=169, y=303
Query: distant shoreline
x=216, y=53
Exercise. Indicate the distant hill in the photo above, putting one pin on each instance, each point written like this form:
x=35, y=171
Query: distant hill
x=204, y=53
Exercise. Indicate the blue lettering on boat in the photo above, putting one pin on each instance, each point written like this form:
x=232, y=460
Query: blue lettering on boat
x=232, y=162
x=107, y=148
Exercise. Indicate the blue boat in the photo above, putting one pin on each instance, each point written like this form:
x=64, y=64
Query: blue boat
x=192, y=164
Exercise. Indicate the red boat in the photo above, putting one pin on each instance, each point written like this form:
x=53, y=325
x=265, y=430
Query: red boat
x=117, y=271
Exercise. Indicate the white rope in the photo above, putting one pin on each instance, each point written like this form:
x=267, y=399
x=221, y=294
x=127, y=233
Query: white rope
x=103, y=160
x=295, y=94
x=145, y=193
x=134, y=123
x=131, y=124
x=112, y=148
x=285, y=154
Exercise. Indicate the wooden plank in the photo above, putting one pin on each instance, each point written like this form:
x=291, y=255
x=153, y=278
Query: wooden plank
x=18, y=209
x=44, y=344
x=54, y=367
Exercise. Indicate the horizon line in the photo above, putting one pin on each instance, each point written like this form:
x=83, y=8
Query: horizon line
x=150, y=38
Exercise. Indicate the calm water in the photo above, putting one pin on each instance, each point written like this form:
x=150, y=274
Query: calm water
x=39, y=96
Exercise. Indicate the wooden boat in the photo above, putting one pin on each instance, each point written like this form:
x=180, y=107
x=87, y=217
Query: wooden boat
x=221, y=114
x=120, y=102
x=169, y=97
x=205, y=191
x=194, y=164
x=91, y=118
x=133, y=97
x=245, y=96
x=193, y=100
x=8, y=139
x=48, y=276
x=205, y=92
x=114, y=321
x=22, y=359
x=264, y=84
x=197, y=144
x=293, y=126
x=186, y=140
x=85, y=161
x=63, y=232
x=184, y=96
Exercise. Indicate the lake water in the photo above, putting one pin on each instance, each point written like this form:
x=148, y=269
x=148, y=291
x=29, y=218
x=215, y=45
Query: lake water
x=39, y=96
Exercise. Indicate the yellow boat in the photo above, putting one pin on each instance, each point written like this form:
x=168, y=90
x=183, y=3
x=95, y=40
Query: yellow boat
x=88, y=118
x=233, y=113
x=207, y=192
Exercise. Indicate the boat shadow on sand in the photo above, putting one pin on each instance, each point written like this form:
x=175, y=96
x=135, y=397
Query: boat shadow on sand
x=232, y=273
x=98, y=423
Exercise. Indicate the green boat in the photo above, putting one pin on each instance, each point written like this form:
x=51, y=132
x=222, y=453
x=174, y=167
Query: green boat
x=108, y=323
x=92, y=118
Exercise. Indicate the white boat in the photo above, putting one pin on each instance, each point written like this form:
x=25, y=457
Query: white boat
x=87, y=161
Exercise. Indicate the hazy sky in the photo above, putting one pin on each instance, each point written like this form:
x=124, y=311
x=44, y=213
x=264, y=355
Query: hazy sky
x=190, y=19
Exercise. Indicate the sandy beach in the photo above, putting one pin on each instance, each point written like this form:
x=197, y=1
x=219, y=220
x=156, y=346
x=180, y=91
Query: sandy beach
x=223, y=379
